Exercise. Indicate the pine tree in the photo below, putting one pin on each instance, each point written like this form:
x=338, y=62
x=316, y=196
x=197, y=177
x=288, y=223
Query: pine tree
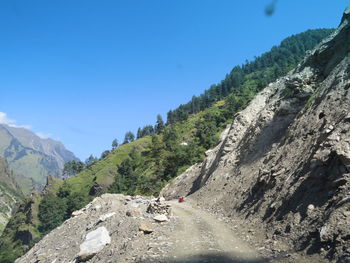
x=139, y=133
x=105, y=154
x=159, y=124
x=115, y=144
x=90, y=161
x=129, y=137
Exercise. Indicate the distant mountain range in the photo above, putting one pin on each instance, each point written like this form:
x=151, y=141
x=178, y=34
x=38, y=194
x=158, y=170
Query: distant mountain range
x=32, y=158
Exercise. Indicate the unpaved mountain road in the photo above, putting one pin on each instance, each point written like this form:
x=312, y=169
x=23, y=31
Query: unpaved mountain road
x=201, y=237
x=192, y=235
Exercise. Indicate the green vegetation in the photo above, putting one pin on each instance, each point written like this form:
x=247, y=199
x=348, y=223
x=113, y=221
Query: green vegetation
x=254, y=76
x=54, y=209
x=163, y=151
x=72, y=168
x=21, y=231
x=9, y=193
x=129, y=137
x=115, y=144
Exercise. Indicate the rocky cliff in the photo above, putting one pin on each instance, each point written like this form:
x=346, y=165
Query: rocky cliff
x=284, y=163
x=30, y=157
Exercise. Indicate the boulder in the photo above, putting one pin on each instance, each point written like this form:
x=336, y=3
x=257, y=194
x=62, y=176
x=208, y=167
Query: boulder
x=158, y=208
x=77, y=213
x=94, y=242
x=161, y=218
x=145, y=228
x=310, y=209
x=133, y=213
x=106, y=216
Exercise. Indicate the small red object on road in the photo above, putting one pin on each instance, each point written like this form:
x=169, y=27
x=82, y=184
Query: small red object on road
x=181, y=199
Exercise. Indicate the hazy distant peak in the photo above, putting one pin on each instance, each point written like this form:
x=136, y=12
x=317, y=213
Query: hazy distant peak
x=31, y=156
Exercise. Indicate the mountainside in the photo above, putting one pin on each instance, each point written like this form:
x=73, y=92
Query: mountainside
x=31, y=157
x=284, y=162
x=9, y=193
x=144, y=166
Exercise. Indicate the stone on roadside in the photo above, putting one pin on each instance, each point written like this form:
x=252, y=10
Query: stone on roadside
x=310, y=209
x=133, y=213
x=158, y=207
x=94, y=242
x=161, y=199
x=77, y=213
x=145, y=228
x=103, y=218
x=161, y=218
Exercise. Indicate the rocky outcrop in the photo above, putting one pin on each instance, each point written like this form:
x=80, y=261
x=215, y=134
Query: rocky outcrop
x=284, y=161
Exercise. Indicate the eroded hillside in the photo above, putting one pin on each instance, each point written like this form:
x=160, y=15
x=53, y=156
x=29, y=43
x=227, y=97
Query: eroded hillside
x=284, y=163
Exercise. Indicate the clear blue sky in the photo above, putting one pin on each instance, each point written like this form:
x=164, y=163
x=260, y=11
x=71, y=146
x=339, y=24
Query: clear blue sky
x=87, y=71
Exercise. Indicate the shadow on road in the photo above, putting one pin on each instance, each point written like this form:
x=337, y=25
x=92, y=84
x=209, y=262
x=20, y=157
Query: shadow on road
x=206, y=258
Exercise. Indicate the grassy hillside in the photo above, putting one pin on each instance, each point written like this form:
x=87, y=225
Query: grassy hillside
x=104, y=171
x=144, y=166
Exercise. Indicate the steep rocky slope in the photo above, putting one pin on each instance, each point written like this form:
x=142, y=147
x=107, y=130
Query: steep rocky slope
x=118, y=228
x=9, y=193
x=31, y=157
x=284, y=163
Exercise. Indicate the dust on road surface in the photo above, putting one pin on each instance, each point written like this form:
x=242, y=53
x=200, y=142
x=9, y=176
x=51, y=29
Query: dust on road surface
x=201, y=237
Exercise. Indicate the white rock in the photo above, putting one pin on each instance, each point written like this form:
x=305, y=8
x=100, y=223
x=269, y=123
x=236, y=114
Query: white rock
x=161, y=218
x=208, y=152
x=135, y=205
x=311, y=207
x=77, y=213
x=106, y=216
x=94, y=242
x=97, y=207
x=323, y=233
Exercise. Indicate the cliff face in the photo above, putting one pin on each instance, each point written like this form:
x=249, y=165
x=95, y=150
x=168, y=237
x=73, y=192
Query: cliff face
x=284, y=163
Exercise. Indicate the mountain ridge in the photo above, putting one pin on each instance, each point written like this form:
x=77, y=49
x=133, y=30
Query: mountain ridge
x=31, y=157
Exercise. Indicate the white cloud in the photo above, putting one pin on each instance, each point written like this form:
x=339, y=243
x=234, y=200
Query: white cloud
x=5, y=120
x=43, y=135
x=13, y=123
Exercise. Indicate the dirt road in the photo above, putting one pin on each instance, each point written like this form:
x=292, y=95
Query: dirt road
x=200, y=237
